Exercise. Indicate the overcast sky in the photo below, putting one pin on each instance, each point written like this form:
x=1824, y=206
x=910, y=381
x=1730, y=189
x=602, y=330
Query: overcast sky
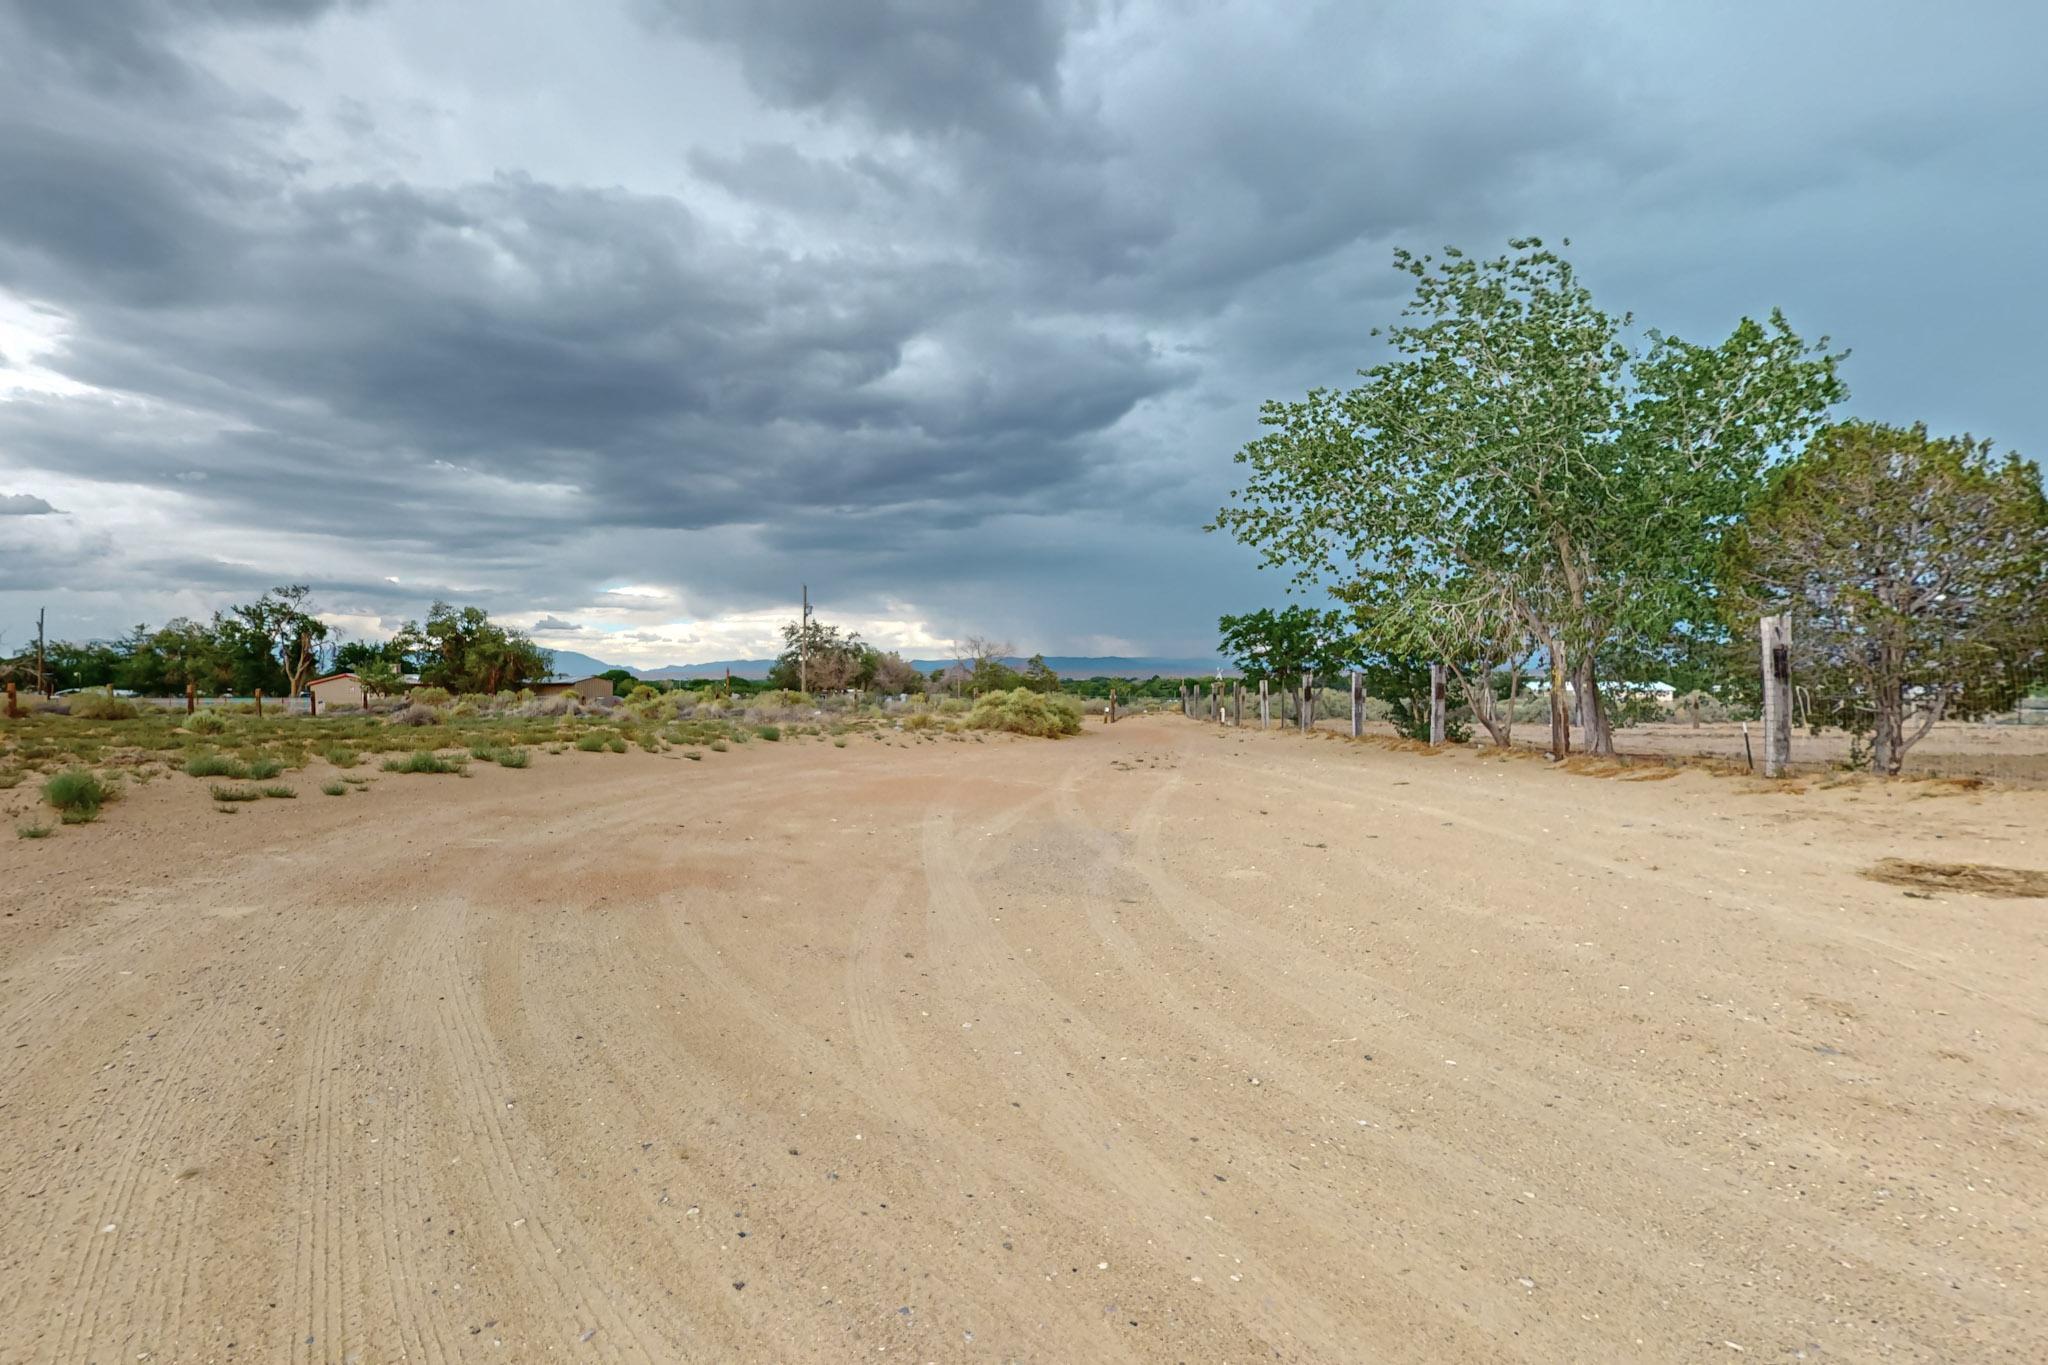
x=623, y=318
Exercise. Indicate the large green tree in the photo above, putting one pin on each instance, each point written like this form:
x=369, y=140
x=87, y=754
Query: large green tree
x=1916, y=572
x=464, y=650
x=1519, y=469
x=283, y=619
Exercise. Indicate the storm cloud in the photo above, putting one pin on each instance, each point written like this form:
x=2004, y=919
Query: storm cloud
x=626, y=321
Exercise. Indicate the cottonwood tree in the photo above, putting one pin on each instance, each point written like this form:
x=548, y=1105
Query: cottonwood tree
x=820, y=656
x=1519, y=469
x=284, y=619
x=464, y=650
x=1916, y=572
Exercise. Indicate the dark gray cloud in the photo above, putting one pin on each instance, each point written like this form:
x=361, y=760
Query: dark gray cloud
x=956, y=310
x=23, y=505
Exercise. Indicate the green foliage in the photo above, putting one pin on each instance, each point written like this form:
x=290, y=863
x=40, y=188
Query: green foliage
x=819, y=658
x=99, y=706
x=205, y=723
x=210, y=764
x=280, y=792
x=771, y=733
x=1519, y=471
x=1279, y=646
x=718, y=746
x=1915, y=568
x=32, y=830
x=591, y=741
x=421, y=761
x=333, y=789
x=78, y=792
x=261, y=768
x=1024, y=712
x=341, y=756
x=465, y=651
x=225, y=794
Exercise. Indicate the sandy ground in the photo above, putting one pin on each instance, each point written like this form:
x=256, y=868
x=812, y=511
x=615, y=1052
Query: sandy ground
x=1158, y=1044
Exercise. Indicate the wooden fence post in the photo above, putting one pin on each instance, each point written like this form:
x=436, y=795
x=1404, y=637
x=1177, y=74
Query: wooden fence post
x=191, y=698
x=1436, y=706
x=1776, y=634
x=13, y=706
x=259, y=701
x=1265, y=704
x=312, y=702
x=1237, y=704
x=1304, y=709
x=1357, y=703
x=1111, y=713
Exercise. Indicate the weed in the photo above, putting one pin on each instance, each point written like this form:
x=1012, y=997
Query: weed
x=94, y=706
x=280, y=791
x=592, y=743
x=421, y=761
x=839, y=743
x=215, y=765
x=693, y=756
x=264, y=768
x=342, y=757
x=225, y=794
x=618, y=744
x=771, y=733
x=333, y=789
x=78, y=792
x=512, y=758
x=718, y=746
x=204, y=723
x=227, y=810
x=32, y=831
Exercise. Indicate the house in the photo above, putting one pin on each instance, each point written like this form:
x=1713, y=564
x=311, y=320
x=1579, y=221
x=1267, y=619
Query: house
x=590, y=689
x=336, y=689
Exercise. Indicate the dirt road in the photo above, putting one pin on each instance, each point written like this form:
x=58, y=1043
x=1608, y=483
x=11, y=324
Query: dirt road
x=1157, y=1044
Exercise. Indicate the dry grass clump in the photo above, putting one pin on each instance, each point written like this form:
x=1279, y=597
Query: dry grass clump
x=1979, y=879
x=415, y=713
x=1046, y=715
x=97, y=706
x=77, y=794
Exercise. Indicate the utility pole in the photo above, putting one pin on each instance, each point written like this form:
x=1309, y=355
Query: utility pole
x=803, y=646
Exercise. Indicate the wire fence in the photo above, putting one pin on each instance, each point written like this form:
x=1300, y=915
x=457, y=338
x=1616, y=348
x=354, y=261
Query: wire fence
x=1987, y=721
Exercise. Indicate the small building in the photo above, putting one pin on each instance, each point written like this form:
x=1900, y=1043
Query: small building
x=336, y=689
x=590, y=689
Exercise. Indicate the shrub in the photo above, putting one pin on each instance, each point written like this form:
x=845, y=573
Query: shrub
x=226, y=794
x=511, y=758
x=31, y=831
x=693, y=756
x=1024, y=712
x=591, y=743
x=281, y=792
x=261, y=768
x=421, y=761
x=204, y=723
x=98, y=706
x=718, y=746
x=334, y=789
x=78, y=794
x=770, y=733
x=429, y=696
x=921, y=720
x=618, y=744
x=415, y=713
x=214, y=765
x=342, y=757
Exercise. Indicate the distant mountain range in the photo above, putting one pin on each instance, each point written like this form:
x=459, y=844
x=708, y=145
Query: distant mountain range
x=570, y=663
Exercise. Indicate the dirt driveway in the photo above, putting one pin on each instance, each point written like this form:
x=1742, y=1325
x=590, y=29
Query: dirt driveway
x=1157, y=1044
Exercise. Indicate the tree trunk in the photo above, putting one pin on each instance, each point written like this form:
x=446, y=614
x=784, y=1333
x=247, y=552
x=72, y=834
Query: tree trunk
x=1598, y=736
x=1888, y=739
x=1560, y=722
